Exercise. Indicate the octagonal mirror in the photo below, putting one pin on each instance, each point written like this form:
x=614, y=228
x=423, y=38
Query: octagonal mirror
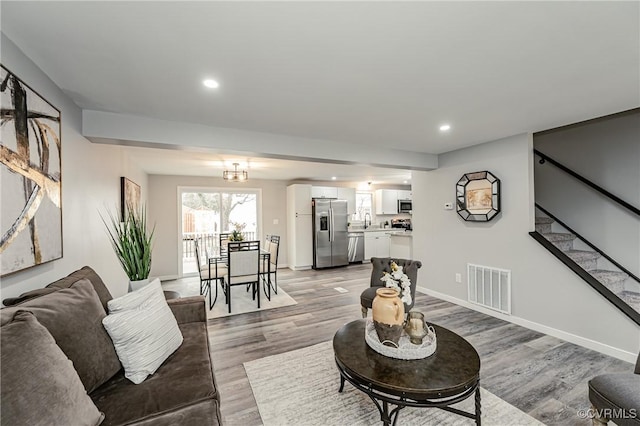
x=478, y=196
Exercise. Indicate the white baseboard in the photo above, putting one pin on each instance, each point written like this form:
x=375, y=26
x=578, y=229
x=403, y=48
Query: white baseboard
x=572, y=338
x=299, y=268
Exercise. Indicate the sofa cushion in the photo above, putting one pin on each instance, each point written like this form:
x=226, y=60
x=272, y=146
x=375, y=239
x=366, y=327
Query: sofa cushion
x=39, y=383
x=74, y=316
x=185, y=379
x=66, y=282
x=143, y=330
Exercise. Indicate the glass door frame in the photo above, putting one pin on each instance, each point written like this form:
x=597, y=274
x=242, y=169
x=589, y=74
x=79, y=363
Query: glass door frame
x=214, y=190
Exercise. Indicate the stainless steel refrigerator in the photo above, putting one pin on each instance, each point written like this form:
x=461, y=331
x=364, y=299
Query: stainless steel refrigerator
x=330, y=242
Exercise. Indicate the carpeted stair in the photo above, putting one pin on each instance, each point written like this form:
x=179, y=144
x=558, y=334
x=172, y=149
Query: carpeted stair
x=588, y=260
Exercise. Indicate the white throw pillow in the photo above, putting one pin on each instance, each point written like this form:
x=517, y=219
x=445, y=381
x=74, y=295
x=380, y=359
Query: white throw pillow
x=143, y=329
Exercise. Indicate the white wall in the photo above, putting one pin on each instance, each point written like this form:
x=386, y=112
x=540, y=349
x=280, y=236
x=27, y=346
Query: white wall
x=90, y=184
x=546, y=295
x=607, y=152
x=163, y=208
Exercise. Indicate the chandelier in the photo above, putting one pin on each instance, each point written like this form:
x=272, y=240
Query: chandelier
x=235, y=175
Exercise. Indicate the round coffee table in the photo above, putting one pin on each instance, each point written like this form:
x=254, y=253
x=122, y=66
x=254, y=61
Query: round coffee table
x=450, y=375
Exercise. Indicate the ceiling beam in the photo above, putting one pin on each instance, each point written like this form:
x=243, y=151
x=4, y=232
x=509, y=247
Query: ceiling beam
x=120, y=129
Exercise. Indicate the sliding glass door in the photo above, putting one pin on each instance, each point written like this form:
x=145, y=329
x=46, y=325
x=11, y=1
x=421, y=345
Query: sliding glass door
x=205, y=213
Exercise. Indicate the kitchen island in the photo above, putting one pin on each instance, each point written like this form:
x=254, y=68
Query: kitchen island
x=386, y=242
x=401, y=245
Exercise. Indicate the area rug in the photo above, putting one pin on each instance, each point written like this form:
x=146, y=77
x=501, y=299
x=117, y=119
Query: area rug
x=301, y=388
x=241, y=302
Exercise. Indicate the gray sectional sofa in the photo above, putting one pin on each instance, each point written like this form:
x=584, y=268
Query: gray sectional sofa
x=182, y=391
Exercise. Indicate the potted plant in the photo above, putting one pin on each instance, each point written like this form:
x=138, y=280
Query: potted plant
x=131, y=241
x=236, y=234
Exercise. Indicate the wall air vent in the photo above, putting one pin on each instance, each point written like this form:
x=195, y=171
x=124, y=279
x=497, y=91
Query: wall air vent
x=489, y=287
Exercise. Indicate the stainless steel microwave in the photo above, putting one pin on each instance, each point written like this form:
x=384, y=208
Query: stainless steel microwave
x=404, y=206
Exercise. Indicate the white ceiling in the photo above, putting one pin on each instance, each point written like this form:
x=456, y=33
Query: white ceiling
x=375, y=74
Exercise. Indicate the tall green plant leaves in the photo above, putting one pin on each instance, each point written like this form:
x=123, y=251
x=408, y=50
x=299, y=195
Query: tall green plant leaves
x=131, y=242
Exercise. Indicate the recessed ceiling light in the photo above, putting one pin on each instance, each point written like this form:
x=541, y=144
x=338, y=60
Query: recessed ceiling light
x=445, y=127
x=211, y=84
x=333, y=178
x=406, y=181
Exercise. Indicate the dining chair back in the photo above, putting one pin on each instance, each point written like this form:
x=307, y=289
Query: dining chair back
x=274, y=250
x=273, y=247
x=200, y=266
x=209, y=271
x=243, y=261
x=223, y=240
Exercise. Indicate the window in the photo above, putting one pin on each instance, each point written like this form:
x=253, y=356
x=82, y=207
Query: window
x=206, y=213
x=363, y=205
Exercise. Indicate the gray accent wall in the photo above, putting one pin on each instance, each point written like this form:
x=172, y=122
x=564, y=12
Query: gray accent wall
x=546, y=295
x=607, y=152
x=90, y=186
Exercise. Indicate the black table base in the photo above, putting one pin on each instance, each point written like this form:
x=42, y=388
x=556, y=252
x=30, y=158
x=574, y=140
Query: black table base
x=390, y=417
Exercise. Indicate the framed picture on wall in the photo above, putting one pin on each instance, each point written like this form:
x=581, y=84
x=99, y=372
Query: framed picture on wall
x=30, y=176
x=129, y=196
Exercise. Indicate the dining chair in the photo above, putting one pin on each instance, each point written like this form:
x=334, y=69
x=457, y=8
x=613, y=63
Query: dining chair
x=264, y=266
x=210, y=270
x=223, y=240
x=243, y=263
x=266, y=270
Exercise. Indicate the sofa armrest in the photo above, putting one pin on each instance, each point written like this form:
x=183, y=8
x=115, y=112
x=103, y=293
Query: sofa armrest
x=188, y=309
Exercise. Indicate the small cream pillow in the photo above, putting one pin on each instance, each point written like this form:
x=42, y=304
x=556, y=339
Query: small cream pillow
x=143, y=330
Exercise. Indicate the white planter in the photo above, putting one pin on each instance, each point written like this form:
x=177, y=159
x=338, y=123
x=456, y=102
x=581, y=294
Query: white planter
x=137, y=285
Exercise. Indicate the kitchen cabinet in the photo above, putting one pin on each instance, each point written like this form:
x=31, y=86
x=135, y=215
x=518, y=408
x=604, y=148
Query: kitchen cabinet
x=348, y=194
x=376, y=244
x=324, y=192
x=340, y=193
x=404, y=195
x=386, y=201
x=300, y=197
x=299, y=227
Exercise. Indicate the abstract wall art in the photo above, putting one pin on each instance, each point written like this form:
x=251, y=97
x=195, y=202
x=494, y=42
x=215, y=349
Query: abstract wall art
x=30, y=177
x=129, y=196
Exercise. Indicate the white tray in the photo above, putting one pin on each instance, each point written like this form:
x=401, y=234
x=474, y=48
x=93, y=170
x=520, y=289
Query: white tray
x=405, y=350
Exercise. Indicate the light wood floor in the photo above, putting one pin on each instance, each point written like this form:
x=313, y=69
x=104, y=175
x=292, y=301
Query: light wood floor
x=541, y=375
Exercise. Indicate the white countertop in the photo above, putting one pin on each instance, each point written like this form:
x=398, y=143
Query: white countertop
x=405, y=234
x=391, y=231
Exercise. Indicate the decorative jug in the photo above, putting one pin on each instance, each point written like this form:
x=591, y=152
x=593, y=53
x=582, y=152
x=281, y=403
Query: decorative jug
x=388, y=316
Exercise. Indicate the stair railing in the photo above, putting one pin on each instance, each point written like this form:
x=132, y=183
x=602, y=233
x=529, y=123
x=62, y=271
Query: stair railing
x=587, y=242
x=544, y=158
x=584, y=274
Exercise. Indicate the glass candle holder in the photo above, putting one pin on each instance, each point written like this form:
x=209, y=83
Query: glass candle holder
x=415, y=327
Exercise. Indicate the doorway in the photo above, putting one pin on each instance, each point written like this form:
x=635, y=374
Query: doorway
x=205, y=213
